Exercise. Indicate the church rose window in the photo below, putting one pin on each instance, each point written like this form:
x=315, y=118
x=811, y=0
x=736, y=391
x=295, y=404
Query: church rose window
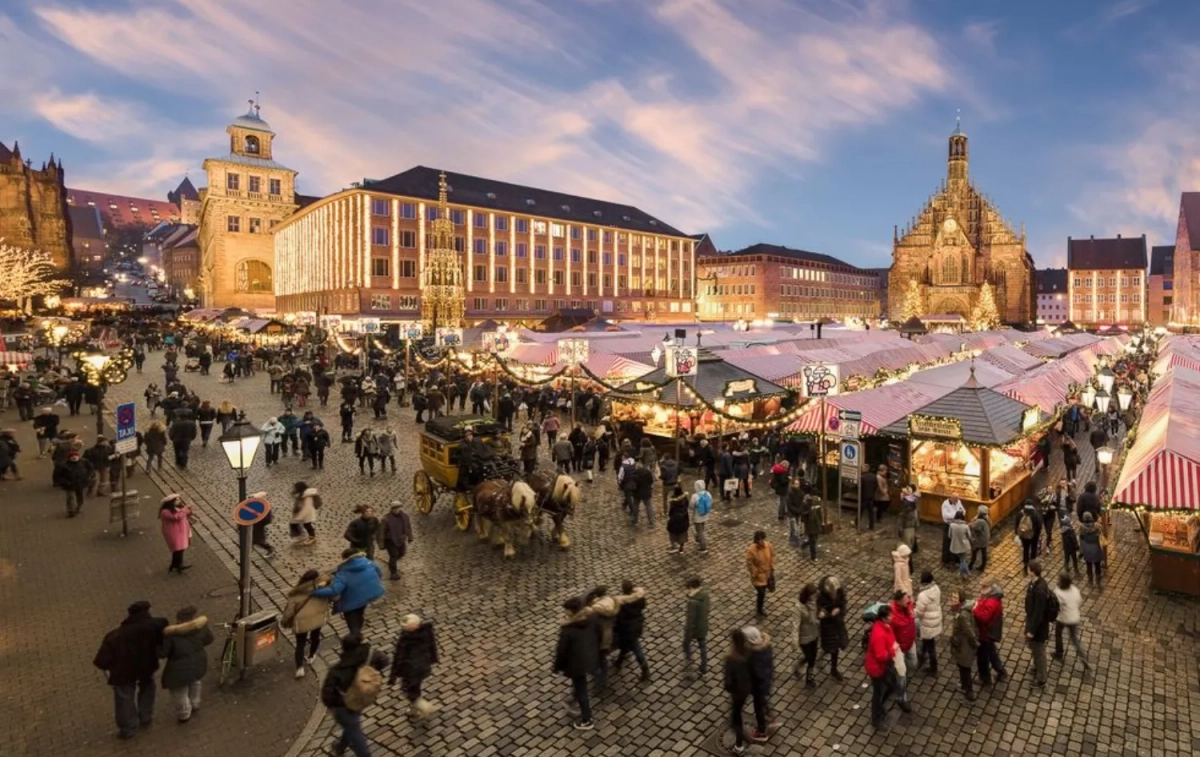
x=253, y=276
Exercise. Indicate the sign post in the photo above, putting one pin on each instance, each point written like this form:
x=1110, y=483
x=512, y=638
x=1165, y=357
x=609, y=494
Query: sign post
x=681, y=361
x=246, y=513
x=126, y=443
x=850, y=470
x=849, y=423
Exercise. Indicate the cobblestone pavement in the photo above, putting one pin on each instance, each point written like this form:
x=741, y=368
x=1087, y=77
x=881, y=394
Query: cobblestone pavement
x=65, y=583
x=497, y=624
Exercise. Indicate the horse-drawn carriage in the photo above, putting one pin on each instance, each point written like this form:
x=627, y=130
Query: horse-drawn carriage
x=507, y=508
x=441, y=472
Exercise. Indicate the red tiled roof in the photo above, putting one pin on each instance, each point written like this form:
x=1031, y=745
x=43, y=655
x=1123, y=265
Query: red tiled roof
x=120, y=211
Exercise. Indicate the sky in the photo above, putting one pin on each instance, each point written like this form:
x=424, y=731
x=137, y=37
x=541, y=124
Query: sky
x=816, y=124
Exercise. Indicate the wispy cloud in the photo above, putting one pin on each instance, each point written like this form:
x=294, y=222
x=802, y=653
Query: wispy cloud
x=519, y=89
x=1105, y=17
x=981, y=36
x=88, y=116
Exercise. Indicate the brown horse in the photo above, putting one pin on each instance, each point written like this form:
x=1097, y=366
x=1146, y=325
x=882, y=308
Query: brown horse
x=503, y=506
x=557, y=494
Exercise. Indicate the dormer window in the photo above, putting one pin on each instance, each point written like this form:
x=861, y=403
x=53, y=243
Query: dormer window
x=566, y=208
x=491, y=195
x=597, y=213
x=625, y=218
x=251, y=145
x=530, y=202
x=653, y=222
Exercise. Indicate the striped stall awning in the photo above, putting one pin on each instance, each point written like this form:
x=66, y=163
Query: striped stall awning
x=15, y=358
x=880, y=407
x=1168, y=481
x=1162, y=468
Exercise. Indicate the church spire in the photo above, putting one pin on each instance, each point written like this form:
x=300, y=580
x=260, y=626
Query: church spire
x=957, y=163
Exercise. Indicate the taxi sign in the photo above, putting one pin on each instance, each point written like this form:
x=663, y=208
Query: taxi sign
x=251, y=510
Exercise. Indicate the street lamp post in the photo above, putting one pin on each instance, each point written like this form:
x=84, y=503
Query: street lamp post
x=240, y=444
x=1104, y=458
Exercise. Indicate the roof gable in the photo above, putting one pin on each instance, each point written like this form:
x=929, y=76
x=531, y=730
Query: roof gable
x=987, y=416
x=422, y=182
x=1102, y=254
x=1051, y=280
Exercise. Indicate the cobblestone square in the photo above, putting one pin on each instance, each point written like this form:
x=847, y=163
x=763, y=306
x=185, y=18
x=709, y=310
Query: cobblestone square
x=497, y=623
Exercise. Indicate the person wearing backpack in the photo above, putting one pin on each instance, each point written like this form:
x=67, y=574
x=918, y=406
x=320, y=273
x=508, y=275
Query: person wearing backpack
x=1029, y=528
x=1041, y=607
x=701, y=504
x=350, y=686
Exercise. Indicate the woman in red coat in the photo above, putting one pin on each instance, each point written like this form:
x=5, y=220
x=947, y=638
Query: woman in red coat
x=881, y=651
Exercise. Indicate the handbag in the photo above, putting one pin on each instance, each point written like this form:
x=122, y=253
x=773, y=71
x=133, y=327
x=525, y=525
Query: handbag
x=771, y=581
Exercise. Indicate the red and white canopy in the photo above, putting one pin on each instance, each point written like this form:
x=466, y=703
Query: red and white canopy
x=880, y=407
x=1162, y=469
x=15, y=358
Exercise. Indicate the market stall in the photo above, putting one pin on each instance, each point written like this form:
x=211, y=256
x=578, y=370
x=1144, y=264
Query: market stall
x=720, y=399
x=972, y=442
x=1160, y=480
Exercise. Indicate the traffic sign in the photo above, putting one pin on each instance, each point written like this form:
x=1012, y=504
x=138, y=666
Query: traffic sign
x=851, y=459
x=850, y=422
x=126, y=428
x=251, y=510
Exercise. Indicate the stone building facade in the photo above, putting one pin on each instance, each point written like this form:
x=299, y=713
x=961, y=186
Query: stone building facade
x=248, y=193
x=955, y=244
x=33, y=206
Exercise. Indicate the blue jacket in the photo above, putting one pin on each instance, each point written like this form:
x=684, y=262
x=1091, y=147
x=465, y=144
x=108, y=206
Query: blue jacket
x=357, y=583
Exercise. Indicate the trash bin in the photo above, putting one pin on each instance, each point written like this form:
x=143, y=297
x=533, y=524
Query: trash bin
x=259, y=633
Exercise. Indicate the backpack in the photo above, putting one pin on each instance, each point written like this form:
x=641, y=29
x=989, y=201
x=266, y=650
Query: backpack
x=1025, y=526
x=317, y=502
x=364, y=690
x=703, y=504
x=1052, y=607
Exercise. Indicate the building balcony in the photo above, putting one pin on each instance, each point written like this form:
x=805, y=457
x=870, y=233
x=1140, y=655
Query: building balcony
x=255, y=195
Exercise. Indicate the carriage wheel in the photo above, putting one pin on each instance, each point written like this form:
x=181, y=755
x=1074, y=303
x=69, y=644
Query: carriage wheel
x=462, y=511
x=423, y=492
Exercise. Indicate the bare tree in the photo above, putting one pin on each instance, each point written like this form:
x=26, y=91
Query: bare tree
x=25, y=274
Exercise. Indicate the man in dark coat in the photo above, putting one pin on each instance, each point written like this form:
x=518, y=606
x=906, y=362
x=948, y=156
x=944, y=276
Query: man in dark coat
x=643, y=493
x=182, y=433
x=628, y=627
x=74, y=396
x=129, y=655
x=578, y=654
x=416, y=654
x=339, y=679
x=397, y=534
x=1037, y=620
x=1088, y=502
x=471, y=454
x=73, y=476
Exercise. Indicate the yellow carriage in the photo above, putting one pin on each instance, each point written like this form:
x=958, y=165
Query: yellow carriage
x=440, y=470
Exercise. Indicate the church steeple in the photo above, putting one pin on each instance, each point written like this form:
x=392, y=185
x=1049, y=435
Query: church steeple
x=957, y=168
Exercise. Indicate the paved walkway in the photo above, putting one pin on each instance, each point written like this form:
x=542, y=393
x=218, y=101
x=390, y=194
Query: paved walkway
x=65, y=583
x=497, y=622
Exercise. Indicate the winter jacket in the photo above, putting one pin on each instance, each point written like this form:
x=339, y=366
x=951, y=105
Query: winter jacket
x=1037, y=609
x=183, y=647
x=760, y=561
x=964, y=639
x=361, y=531
x=304, y=612
x=904, y=624
x=272, y=432
x=182, y=432
x=762, y=664
x=155, y=441
x=604, y=610
x=578, y=652
x=780, y=478
x=1089, y=542
x=1088, y=502
x=357, y=583
x=416, y=654
x=677, y=515
x=881, y=643
x=695, y=625
x=630, y=620
x=1070, y=539
x=562, y=451
x=928, y=611
x=129, y=653
x=304, y=508
x=386, y=443
x=737, y=680
x=699, y=488
x=396, y=531
x=341, y=676
x=832, y=627
x=643, y=483
x=901, y=575
x=794, y=499
x=989, y=617
x=668, y=471
x=960, y=538
x=176, y=528
x=805, y=628
x=73, y=474
x=981, y=531
x=813, y=515
x=1030, y=513
x=366, y=446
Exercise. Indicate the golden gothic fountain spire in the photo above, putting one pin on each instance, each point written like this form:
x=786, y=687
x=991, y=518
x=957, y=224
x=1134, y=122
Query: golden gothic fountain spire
x=443, y=302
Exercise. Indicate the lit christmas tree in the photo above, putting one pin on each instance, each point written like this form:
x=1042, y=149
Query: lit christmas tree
x=912, y=305
x=985, y=315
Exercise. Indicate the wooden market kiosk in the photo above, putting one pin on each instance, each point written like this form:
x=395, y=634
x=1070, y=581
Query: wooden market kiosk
x=973, y=442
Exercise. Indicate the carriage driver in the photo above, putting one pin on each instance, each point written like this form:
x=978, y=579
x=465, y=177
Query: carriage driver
x=471, y=455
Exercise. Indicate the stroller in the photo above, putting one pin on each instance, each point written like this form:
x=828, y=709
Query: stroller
x=192, y=364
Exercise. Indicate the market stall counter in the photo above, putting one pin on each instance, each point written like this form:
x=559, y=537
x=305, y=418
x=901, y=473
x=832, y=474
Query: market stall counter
x=974, y=443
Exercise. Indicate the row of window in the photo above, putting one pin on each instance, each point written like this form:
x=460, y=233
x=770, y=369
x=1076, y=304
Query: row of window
x=789, y=290
x=253, y=225
x=1086, y=299
x=1112, y=281
x=233, y=182
x=381, y=236
x=505, y=304
x=719, y=290
x=382, y=268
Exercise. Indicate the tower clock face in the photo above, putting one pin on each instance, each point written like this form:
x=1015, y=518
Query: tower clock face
x=950, y=225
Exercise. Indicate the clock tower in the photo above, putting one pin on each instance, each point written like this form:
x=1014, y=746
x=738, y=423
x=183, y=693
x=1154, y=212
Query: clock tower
x=248, y=193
